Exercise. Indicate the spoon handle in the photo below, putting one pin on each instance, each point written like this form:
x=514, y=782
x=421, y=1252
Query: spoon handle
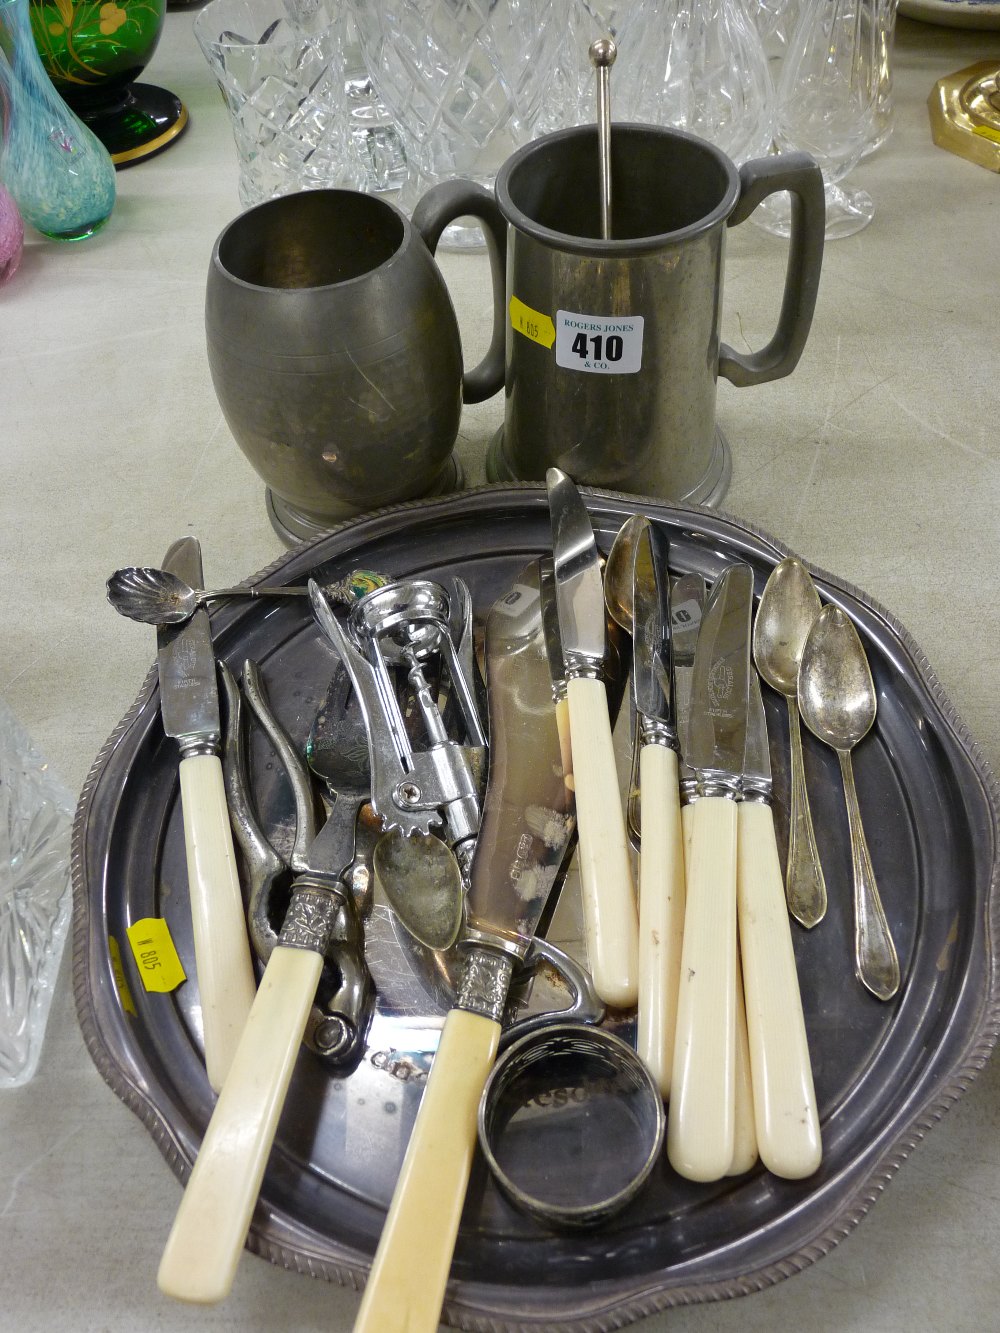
x=805, y=887
x=265, y=591
x=875, y=958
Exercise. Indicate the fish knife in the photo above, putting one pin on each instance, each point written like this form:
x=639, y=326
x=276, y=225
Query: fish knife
x=526, y=828
x=787, y=1123
x=701, y=1121
x=661, y=858
x=611, y=922
x=189, y=705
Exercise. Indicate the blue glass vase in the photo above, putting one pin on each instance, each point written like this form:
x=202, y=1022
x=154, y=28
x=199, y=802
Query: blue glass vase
x=60, y=175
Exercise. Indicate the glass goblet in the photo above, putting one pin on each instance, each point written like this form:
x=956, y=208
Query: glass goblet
x=464, y=81
x=826, y=105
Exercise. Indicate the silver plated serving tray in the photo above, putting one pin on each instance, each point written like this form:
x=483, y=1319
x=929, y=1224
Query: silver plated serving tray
x=884, y=1073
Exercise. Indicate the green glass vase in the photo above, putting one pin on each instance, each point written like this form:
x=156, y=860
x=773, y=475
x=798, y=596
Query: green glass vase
x=94, y=51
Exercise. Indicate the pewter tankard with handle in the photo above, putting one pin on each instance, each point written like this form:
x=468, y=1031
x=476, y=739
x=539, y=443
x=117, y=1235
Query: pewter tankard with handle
x=613, y=348
x=335, y=351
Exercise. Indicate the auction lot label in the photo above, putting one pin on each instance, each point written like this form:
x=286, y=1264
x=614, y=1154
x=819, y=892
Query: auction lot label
x=599, y=344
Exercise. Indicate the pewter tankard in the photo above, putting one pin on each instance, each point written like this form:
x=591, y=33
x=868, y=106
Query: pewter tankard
x=613, y=348
x=335, y=352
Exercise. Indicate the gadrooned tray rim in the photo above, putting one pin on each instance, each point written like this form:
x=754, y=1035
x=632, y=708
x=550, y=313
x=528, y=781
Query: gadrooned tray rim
x=617, y=1312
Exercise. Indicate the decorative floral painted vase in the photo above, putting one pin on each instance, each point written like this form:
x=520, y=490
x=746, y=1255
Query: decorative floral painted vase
x=60, y=175
x=93, y=51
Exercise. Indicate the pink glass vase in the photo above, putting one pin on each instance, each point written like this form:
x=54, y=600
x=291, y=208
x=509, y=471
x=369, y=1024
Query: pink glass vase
x=11, y=236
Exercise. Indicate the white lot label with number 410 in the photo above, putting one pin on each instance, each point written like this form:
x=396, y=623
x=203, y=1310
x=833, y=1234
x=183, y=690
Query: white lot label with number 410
x=600, y=344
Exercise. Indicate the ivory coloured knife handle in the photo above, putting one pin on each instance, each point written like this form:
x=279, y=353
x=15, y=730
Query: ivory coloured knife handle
x=744, y=1129
x=210, y=1229
x=226, y=981
x=661, y=911
x=788, y=1133
x=610, y=917
x=700, y=1122
x=565, y=745
x=406, y=1286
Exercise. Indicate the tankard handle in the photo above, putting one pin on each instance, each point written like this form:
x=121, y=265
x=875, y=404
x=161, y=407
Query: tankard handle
x=441, y=205
x=799, y=174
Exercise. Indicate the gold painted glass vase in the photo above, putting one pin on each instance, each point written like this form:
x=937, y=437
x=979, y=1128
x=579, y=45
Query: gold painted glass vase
x=94, y=51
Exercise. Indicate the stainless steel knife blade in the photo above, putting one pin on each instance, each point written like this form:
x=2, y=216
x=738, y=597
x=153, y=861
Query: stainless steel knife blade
x=720, y=682
x=757, y=755
x=189, y=692
x=652, y=648
x=579, y=584
x=687, y=604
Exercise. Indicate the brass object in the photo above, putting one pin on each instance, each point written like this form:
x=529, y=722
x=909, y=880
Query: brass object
x=965, y=113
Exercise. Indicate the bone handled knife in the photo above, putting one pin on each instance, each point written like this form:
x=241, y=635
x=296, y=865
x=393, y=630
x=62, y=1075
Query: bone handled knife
x=203, y=1249
x=526, y=829
x=611, y=922
x=686, y=606
x=189, y=704
x=661, y=857
x=701, y=1120
x=787, y=1122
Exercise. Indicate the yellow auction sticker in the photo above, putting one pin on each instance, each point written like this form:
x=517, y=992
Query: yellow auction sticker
x=121, y=981
x=155, y=954
x=539, y=328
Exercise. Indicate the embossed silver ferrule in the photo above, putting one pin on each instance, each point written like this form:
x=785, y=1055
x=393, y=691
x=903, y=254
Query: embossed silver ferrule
x=717, y=782
x=485, y=981
x=755, y=788
x=654, y=731
x=312, y=914
x=199, y=744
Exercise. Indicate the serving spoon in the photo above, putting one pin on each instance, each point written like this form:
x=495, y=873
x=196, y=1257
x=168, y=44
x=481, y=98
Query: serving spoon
x=788, y=606
x=836, y=696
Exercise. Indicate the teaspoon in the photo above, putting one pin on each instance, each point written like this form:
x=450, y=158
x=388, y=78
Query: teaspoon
x=156, y=597
x=837, y=701
x=788, y=606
